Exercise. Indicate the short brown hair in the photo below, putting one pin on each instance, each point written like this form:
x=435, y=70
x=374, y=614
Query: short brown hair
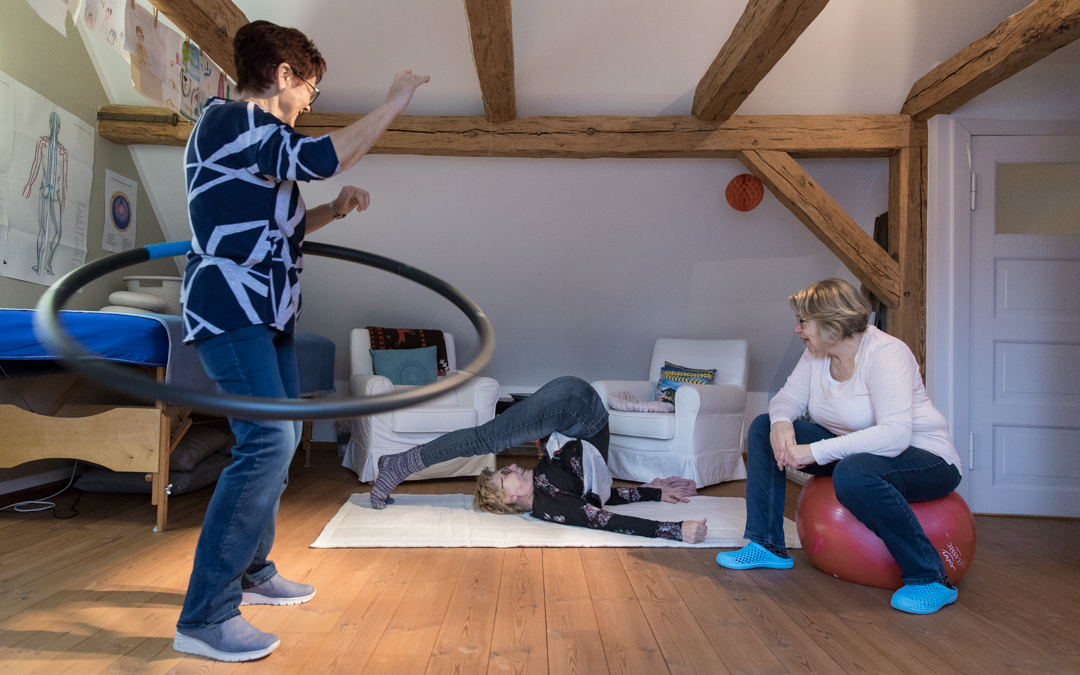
x=839, y=309
x=491, y=498
x=260, y=47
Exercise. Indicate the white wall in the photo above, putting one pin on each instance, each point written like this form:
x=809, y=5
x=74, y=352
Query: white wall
x=580, y=265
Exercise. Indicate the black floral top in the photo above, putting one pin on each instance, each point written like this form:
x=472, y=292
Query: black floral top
x=558, y=483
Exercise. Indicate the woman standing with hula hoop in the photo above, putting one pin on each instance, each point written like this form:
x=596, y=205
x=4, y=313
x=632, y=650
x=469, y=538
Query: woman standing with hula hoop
x=241, y=297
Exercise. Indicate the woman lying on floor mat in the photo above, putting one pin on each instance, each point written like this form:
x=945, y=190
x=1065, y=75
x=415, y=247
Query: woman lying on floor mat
x=570, y=483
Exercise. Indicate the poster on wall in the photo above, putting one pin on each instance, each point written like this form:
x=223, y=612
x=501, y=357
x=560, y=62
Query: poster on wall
x=105, y=19
x=54, y=12
x=45, y=192
x=120, y=194
x=145, y=42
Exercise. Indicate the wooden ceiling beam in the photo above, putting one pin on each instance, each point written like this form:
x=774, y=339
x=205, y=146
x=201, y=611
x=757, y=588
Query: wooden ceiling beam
x=680, y=136
x=763, y=34
x=211, y=24
x=1021, y=40
x=813, y=206
x=491, y=30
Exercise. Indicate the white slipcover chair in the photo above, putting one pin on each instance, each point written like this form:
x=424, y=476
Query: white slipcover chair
x=703, y=438
x=387, y=433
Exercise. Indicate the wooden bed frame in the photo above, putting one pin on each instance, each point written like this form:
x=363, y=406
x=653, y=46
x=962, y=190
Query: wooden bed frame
x=122, y=438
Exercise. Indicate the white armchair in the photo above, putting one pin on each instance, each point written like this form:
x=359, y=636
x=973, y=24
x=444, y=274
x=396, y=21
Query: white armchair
x=703, y=438
x=387, y=433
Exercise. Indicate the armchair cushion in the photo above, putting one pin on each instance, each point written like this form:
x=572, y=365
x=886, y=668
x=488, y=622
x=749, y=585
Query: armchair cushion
x=642, y=425
x=406, y=366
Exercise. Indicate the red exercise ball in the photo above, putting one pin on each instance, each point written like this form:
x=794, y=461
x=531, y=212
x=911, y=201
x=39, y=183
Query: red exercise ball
x=838, y=544
x=744, y=192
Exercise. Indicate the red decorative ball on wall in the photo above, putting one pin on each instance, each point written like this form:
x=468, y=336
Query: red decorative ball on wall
x=744, y=192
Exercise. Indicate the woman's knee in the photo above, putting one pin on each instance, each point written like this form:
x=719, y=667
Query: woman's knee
x=854, y=478
x=757, y=436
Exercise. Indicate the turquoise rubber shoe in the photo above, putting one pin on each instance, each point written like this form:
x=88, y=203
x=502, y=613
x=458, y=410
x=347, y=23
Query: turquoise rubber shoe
x=923, y=598
x=752, y=556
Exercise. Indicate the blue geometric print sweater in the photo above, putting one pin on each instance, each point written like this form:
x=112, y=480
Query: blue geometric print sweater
x=247, y=218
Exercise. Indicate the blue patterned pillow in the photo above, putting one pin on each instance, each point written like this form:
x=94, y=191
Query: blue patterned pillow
x=406, y=366
x=672, y=377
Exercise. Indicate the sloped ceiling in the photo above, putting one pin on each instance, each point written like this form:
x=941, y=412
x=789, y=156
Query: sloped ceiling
x=619, y=57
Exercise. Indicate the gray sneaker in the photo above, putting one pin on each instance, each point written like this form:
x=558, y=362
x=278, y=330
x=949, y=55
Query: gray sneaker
x=277, y=590
x=231, y=640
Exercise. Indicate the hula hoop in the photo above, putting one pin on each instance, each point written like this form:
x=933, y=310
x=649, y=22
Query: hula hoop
x=48, y=328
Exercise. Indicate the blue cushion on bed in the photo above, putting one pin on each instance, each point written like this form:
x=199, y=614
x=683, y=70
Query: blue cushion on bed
x=406, y=366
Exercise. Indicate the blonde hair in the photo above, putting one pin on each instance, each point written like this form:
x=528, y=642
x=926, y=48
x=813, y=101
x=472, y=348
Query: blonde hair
x=491, y=498
x=839, y=309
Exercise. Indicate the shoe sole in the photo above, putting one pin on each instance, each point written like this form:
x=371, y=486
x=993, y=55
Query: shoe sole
x=189, y=645
x=927, y=611
x=256, y=599
x=755, y=566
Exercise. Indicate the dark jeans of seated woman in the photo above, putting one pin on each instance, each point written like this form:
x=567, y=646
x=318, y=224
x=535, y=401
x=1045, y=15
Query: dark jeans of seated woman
x=876, y=489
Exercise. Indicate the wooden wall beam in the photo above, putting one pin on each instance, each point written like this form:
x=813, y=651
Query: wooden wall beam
x=763, y=34
x=831, y=224
x=907, y=245
x=491, y=30
x=680, y=136
x=211, y=24
x=1021, y=40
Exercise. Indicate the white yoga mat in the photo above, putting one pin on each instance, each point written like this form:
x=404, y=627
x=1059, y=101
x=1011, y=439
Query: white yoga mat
x=449, y=521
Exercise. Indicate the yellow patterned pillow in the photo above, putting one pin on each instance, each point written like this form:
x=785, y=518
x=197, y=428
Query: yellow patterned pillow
x=673, y=376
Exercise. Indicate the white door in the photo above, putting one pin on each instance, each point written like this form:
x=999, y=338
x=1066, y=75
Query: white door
x=1025, y=326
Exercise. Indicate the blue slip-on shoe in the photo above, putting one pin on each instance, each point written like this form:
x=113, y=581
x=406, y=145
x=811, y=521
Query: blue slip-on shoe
x=231, y=640
x=923, y=598
x=277, y=590
x=751, y=556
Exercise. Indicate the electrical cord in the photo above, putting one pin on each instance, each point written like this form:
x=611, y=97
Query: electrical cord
x=43, y=504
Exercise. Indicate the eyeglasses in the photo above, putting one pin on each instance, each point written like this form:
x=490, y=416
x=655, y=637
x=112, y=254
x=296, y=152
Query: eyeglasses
x=314, y=90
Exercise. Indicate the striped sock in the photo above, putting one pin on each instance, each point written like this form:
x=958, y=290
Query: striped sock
x=392, y=470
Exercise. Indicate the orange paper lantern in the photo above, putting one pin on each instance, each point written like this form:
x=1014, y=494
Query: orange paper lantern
x=744, y=192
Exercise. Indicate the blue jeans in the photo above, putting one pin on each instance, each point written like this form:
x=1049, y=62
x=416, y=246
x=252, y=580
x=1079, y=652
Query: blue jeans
x=567, y=404
x=876, y=489
x=238, y=530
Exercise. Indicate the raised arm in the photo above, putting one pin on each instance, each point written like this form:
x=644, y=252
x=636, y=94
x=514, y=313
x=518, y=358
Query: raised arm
x=354, y=141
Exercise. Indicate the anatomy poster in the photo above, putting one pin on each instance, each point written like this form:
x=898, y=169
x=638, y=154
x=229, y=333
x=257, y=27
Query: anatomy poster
x=119, y=231
x=45, y=193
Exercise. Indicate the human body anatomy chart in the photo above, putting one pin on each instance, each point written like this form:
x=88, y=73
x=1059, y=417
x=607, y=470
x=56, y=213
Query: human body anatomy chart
x=46, y=172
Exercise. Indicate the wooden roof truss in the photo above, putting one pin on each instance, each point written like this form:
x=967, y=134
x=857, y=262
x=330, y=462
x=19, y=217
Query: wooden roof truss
x=767, y=145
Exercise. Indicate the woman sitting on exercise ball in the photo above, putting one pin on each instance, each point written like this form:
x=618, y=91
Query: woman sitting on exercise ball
x=873, y=429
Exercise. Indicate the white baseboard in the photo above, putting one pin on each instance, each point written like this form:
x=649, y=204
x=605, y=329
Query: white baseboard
x=27, y=482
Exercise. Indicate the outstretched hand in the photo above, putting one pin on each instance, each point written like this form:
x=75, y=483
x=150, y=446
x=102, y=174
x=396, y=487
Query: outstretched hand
x=351, y=198
x=694, y=531
x=401, y=91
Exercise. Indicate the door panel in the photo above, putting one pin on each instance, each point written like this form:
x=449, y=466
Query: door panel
x=1025, y=328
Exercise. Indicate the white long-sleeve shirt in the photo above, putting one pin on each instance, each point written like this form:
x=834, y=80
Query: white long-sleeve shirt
x=881, y=409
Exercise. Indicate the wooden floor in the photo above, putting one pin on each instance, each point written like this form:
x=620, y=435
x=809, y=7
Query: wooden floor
x=100, y=593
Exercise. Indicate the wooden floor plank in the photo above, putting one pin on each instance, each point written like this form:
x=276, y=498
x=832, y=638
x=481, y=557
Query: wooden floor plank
x=463, y=645
x=519, y=638
x=732, y=637
x=685, y=646
x=629, y=643
x=573, y=635
x=787, y=641
x=409, y=639
x=348, y=647
x=101, y=593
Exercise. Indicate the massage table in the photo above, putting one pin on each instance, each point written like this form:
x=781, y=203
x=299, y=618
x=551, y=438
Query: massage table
x=136, y=438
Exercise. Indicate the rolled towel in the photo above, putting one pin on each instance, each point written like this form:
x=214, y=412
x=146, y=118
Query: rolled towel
x=626, y=402
x=150, y=303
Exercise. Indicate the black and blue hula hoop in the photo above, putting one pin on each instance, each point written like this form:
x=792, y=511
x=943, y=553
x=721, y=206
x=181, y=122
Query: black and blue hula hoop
x=48, y=328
